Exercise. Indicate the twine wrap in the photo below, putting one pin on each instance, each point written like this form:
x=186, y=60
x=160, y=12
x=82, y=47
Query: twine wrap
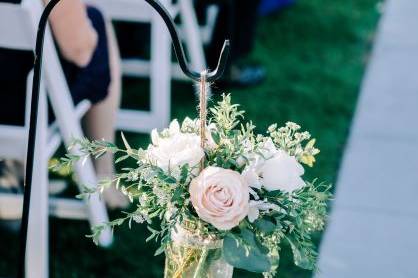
x=203, y=99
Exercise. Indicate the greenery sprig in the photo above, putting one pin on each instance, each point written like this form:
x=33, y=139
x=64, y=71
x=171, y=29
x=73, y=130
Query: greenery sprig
x=281, y=206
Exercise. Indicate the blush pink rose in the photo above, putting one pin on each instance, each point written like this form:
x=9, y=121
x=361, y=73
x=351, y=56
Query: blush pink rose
x=220, y=197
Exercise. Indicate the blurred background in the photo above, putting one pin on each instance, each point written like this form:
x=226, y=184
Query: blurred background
x=292, y=60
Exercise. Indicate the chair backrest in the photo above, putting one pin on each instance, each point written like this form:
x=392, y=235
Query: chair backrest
x=14, y=27
x=24, y=19
x=15, y=33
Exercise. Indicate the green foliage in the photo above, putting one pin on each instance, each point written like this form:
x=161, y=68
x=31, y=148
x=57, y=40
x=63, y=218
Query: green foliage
x=243, y=251
x=290, y=139
x=302, y=255
x=265, y=226
x=226, y=115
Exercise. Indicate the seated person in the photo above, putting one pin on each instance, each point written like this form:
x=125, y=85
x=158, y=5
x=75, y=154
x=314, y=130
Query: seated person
x=90, y=61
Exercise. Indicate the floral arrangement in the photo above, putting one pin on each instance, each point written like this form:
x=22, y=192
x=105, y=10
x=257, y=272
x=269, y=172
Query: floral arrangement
x=235, y=196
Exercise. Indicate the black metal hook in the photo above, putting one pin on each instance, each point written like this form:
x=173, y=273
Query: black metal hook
x=211, y=76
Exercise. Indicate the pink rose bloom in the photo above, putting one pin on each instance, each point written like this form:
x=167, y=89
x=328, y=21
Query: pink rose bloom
x=220, y=197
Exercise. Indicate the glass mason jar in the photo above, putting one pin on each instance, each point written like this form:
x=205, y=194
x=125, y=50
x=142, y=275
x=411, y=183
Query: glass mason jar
x=192, y=256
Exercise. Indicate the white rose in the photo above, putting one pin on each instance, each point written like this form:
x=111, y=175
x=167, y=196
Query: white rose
x=190, y=125
x=175, y=149
x=281, y=172
x=172, y=130
x=220, y=197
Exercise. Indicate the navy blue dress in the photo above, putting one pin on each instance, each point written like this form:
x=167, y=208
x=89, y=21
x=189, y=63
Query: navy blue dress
x=90, y=82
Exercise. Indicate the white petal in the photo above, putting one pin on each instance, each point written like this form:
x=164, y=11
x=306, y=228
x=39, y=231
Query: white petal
x=187, y=122
x=241, y=161
x=174, y=127
x=155, y=137
x=282, y=173
x=268, y=149
x=253, y=213
x=299, y=167
x=251, y=178
x=295, y=184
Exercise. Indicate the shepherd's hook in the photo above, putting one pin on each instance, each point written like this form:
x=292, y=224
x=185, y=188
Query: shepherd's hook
x=178, y=48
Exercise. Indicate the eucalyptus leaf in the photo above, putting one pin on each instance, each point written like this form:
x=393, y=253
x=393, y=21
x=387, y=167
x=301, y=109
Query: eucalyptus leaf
x=299, y=255
x=274, y=193
x=184, y=173
x=159, y=251
x=122, y=158
x=125, y=142
x=177, y=194
x=166, y=178
x=216, y=137
x=244, y=253
x=110, y=145
x=265, y=226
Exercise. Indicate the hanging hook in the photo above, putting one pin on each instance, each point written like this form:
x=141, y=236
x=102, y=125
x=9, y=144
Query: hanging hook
x=178, y=47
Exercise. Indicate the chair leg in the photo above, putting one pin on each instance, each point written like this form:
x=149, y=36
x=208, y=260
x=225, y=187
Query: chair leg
x=37, y=243
x=69, y=126
x=160, y=75
x=193, y=37
x=85, y=172
x=96, y=207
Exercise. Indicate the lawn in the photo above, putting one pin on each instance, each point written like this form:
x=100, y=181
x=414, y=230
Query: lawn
x=315, y=53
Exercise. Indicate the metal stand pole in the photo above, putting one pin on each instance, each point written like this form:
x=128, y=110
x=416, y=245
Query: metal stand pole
x=178, y=48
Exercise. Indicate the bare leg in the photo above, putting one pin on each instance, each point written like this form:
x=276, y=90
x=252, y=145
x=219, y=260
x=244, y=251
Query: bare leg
x=100, y=123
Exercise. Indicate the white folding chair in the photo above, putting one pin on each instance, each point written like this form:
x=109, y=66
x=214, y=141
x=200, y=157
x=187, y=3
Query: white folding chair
x=24, y=19
x=159, y=68
x=206, y=30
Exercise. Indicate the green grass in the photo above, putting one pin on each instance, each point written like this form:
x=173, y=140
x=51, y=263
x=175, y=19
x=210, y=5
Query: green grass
x=315, y=53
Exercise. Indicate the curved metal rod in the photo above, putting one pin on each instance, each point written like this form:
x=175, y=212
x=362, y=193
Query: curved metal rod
x=178, y=47
x=212, y=76
x=32, y=135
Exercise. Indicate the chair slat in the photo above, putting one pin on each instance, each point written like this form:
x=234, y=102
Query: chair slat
x=13, y=28
x=11, y=207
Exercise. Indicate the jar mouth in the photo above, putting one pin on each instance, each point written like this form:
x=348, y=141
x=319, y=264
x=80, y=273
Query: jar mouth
x=187, y=237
